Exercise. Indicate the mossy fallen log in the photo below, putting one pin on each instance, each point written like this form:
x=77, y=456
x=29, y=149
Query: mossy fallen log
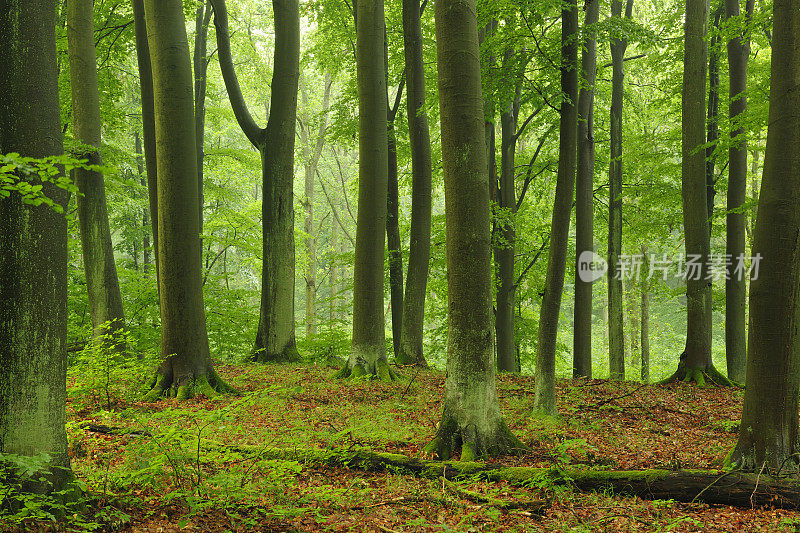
x=738, y=489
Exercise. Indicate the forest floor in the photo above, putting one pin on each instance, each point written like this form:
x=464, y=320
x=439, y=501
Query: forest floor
x=174, y=466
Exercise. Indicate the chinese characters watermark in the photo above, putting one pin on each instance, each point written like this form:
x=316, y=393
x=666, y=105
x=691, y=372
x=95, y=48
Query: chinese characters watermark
x=717, y=267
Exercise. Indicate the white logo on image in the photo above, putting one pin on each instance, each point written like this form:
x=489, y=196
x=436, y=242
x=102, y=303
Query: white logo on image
x=591, y=266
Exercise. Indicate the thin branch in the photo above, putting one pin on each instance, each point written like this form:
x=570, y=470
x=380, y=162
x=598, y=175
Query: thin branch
x=530, y=177
x=335, y=211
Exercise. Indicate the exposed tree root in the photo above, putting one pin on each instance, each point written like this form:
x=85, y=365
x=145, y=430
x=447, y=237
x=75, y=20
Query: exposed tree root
x=381, y=371
x=702, y=377
x=208, y=384
x=472, y=443
x=716, y=487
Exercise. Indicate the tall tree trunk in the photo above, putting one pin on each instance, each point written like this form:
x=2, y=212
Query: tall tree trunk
x=148, y=120
x=275, y=339
x=33, y=245
x=616, y=336
x=712, y=120
x=102, y=285
x=735, y=285
x=368, y=352
x=187, y=367
x=146, y=211
x=696, y=364
x=411, y=350
x=645, y=318
x=471, y=419
x=507, y=205
x=768, y=434
x=200, y=78
x=545, y=393
x=584, y=200
x=334, y=271
x=311, y=156
x=394, y=245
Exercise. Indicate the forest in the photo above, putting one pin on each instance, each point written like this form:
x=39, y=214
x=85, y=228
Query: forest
x=356, y=265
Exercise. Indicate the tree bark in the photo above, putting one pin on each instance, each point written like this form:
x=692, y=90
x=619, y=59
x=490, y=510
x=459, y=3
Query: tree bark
x=148, y=120
x=584, y=198
x=735, y=285
x=275, y=339
x=311, y=156
x=471, y=419
x=545, y=395
x=102, y=284
x=411, y=349
x=33, y=245
x=768, y=433
x=368, y=351
x=616, y=335
x=187, y=367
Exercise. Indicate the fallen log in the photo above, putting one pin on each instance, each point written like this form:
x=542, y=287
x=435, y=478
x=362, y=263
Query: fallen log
x=738, y=489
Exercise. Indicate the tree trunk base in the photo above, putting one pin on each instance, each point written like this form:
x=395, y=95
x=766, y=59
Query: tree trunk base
x=407, y=358
x=288, y=355
x=702, y=377
x=382, y=371
x=164, y=384
x=471, y=442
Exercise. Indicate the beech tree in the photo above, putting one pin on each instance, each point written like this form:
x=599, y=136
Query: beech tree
x=200, y=64
x=148, y=119
x=275, y=340
x=616, y=336
x=584, y=196
x=545, y=393
x=102, y=284
x=471, y=419
x=311, y=156
x=368, y=350
x=696, y=364
x=736, y=285
x=33, y=244
x=411, y=351
x=768, y=434
x=187, y=367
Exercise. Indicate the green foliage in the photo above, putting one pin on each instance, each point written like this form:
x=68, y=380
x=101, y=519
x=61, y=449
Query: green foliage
x=26, y=176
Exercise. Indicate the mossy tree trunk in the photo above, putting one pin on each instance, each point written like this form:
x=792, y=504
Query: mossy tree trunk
x=545, y=388
x=736, y=285
x=33, y=244
x=368, y=351
x=584, y=197
x=616, y=335
x=102, y=284
x=411, y=336
x=137, y=144
x=148, y=119
x=275, y=339
x=471, y=419
x=768, y=434
x=186, y=368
